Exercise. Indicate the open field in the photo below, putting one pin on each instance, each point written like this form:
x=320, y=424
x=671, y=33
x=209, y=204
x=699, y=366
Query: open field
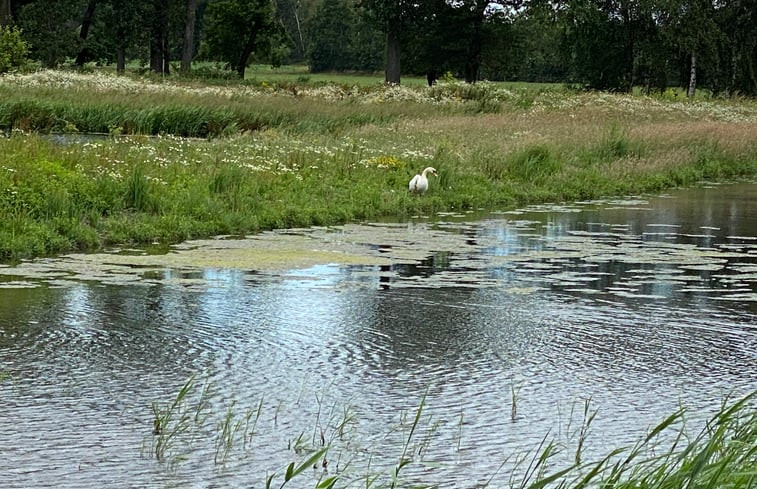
x=179, y=160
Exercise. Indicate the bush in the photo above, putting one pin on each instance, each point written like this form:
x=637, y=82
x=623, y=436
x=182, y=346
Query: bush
x=13, y=49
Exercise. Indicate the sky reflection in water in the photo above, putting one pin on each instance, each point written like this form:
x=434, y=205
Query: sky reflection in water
x=637, y=305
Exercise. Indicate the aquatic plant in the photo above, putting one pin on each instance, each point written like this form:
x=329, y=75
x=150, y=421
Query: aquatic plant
x=293, y=470
x=514, y=396
x=722, y=454
x=176, y=420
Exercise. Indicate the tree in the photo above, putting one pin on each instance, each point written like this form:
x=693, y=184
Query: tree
x=391, y=16
x=527, y=46
x=691, y=31
x=340, y=39
x=738, y=47
x=235, y=29
x=598, y=45
x=726, y=55
x=292, y=14
x=189, y=29
x=5, y=12
x=474, y=15
x=332, y=37
x=125, y=21
x=159, y=52
x=52, y=29
x=84, y=32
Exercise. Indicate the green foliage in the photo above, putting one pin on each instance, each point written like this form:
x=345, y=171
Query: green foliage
x=331, y=27
x=596, y=46
x=13, y=49
x=600, y=45
x=235, y=29
x=51, y=29
x=341, y=40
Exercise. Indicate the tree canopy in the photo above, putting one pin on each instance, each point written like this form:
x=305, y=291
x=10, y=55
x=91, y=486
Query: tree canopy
x=600, y=44
x=235, y=29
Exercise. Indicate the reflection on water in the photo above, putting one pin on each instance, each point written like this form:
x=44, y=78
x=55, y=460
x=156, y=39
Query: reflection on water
x=638, y=304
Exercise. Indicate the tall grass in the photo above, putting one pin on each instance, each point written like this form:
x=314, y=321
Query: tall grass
x=326, y=155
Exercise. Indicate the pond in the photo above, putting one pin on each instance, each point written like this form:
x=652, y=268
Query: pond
x=505, y=327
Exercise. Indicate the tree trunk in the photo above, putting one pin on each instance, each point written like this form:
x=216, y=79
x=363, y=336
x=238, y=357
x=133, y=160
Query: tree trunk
x=734, y=68
x=393, y=44
x=121, y=36
x=246, y=52
x=120, y=59
x=86, y=23
x=473, y=61
x=5, y=12
x=189, y=37
x=242, y=66
x=692, y=77
x=629, y=46
x=302, y=49
x=159, y=38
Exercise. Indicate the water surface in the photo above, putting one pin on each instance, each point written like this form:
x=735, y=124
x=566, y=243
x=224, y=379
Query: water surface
x=637, y=305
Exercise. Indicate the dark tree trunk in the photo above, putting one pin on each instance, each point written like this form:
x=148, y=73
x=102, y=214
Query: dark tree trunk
x=473, y=62
x=189, y=35
x=242, y=66
x=86, y=23
x=121, y=36
x=5, y=12
x=120, y=59
x=246, y=52
x=393, y=44
x=159, y=38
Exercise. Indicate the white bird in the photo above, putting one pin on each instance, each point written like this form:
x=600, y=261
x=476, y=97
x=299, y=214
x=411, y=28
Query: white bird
x=419, y=183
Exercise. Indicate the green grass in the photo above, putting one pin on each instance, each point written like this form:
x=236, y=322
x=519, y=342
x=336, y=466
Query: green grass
x=265, y=157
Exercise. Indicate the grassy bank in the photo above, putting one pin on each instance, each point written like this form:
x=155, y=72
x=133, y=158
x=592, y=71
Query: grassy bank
x=299, y=155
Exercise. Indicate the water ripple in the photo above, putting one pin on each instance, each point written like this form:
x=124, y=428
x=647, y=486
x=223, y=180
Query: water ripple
x=506, y=337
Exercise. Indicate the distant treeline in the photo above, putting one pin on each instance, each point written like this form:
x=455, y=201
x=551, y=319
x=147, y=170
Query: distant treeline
x=600, y=44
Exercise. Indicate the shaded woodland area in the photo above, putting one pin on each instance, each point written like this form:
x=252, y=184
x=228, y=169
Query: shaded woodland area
x=599, y=44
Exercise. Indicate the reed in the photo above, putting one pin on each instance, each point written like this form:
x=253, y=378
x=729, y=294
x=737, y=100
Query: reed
x=514, y=396
x=405, y=457
x=172, y=421
x=294, y=470
x=229, y=430
x=722, y=454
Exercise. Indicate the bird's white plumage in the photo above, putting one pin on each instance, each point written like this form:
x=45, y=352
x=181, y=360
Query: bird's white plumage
x=419, y=183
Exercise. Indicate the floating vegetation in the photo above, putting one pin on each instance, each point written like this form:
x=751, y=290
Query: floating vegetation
x=518, y=255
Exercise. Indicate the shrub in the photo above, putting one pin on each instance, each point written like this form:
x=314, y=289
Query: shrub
x=13, y=49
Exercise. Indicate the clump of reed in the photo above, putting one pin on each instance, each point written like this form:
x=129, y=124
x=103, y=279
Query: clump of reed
x=177, y=421
x=722, y=454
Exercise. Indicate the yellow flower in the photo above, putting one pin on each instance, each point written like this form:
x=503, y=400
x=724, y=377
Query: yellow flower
x=385, y=161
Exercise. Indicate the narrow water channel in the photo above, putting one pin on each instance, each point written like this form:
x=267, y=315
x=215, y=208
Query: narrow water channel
x=505, y=326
